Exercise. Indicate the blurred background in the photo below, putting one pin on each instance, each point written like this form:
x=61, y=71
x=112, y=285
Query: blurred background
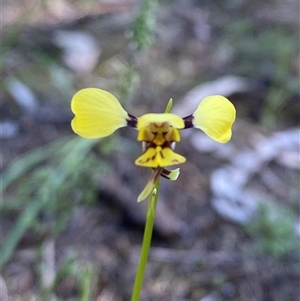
x=227, y=229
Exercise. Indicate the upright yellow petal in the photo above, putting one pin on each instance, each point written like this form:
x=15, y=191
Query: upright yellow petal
x=97, y=113
x=172, y=119
x=215, y=116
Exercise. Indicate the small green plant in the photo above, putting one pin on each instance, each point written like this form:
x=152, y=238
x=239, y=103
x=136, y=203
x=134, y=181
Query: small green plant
x=273, y=231
x=48, y=180
x=144, y=25
x=142, y=37
x=83, y=275
x=265, y=53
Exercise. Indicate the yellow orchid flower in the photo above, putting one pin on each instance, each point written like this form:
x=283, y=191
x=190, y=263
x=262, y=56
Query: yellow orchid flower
x=98, y=114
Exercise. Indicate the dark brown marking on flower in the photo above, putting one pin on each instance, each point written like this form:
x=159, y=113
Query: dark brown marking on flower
x=132, y=121
x=157, y=173
x=166, y=172
x=153, y=157
x=151, y=144
x=166, y=144
x=146, y=161
x=165, y=176
x=188, y=122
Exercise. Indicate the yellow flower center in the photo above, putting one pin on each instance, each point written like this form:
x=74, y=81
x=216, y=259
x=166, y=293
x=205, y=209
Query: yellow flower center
x=159, y=134
x=157, y=138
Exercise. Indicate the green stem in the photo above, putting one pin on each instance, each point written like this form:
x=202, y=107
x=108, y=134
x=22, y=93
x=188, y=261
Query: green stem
x=146, y=243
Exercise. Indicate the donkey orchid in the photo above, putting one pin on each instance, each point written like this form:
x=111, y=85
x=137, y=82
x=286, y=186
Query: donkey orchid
x=98, y=114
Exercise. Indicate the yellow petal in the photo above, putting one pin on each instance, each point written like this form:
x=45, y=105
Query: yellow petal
x=215, y=116
x=172, y=119
x=97, y=113
x=159, y=157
